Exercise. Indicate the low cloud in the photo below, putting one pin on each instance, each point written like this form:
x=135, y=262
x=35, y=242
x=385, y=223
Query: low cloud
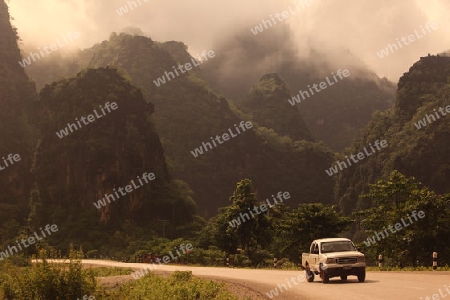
x=334, y=27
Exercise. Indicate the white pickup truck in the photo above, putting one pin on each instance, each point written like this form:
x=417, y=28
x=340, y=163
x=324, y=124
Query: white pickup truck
x=334, y=257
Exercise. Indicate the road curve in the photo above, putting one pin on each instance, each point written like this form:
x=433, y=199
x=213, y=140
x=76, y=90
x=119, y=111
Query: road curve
x=378, y=285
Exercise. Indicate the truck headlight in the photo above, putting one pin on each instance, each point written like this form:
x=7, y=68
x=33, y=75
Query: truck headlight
x=362, y=259
x=331, y=260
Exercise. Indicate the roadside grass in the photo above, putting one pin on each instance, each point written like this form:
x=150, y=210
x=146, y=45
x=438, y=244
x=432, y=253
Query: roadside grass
x=407, y=269
x=46, y=280
x=284, y=264
x=180, y=285
x=293, y=267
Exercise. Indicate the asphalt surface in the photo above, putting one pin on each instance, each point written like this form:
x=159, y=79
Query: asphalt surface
x=378, y=285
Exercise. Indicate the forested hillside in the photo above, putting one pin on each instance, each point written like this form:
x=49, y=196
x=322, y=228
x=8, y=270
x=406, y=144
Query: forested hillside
x=418, y=135
x=335, y=115
x=93, y=161
x=50, y=176
x=17, y=97
x=188, y=113
x=266, y=103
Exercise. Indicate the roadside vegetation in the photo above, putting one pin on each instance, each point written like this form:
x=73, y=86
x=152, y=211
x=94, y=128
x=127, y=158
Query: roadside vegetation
x=45, y=280
x=408, y=269
x=181, y=285
x=389, y=201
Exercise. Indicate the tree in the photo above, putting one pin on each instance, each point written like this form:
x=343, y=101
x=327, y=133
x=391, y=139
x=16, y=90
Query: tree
x=239, y=225
x=218, y=233
x=243, y=200
x=395, y=199
x=307, y=223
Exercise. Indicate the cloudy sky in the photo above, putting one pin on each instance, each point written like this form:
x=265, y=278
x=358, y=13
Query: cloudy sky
x=363, y=27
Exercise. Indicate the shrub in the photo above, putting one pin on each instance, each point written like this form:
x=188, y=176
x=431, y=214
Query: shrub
x=181, y=285
x=49, y=281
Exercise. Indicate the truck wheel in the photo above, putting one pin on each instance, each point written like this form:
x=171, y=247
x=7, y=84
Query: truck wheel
x=309, y=274
x=344, y=277
x=362, y=276
x=324, y=275
x=325, y=278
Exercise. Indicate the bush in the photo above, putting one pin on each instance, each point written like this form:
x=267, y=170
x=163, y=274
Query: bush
x=92, y=254
x=182, y=276
x=181, y=285
x=259, y=258
x=210, y=257
x=49, y=281
x=288, y=265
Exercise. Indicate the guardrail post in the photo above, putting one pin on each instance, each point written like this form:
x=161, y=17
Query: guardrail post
x=380, y=261
x=435, y=261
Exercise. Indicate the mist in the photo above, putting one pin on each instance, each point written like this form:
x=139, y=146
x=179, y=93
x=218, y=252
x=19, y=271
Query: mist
x=349, y=32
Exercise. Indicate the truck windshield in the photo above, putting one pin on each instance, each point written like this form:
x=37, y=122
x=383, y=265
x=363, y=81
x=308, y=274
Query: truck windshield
x=337, y=246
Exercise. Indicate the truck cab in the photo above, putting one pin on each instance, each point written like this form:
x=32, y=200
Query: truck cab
x=333, y=257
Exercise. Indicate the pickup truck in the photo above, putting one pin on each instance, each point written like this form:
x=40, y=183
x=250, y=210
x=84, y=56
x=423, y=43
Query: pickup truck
x=334, y=257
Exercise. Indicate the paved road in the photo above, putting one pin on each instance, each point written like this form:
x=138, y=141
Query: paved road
x=378, y=285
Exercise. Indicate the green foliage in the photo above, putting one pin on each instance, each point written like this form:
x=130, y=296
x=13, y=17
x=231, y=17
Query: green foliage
x=268, y=105
x=338, y=114
x=242, y=200
x=396, y=198
x=86, y=155
x=421, y=153
x=407, y=269
x=217, y=233
x=334, y=115
x=17, y=96
x=249, y=235
x=185, y=125
x=425, y=77
x=278, y=232
x=307, y=223
x=212, y=256
x=181, y=285
x=49, y=281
